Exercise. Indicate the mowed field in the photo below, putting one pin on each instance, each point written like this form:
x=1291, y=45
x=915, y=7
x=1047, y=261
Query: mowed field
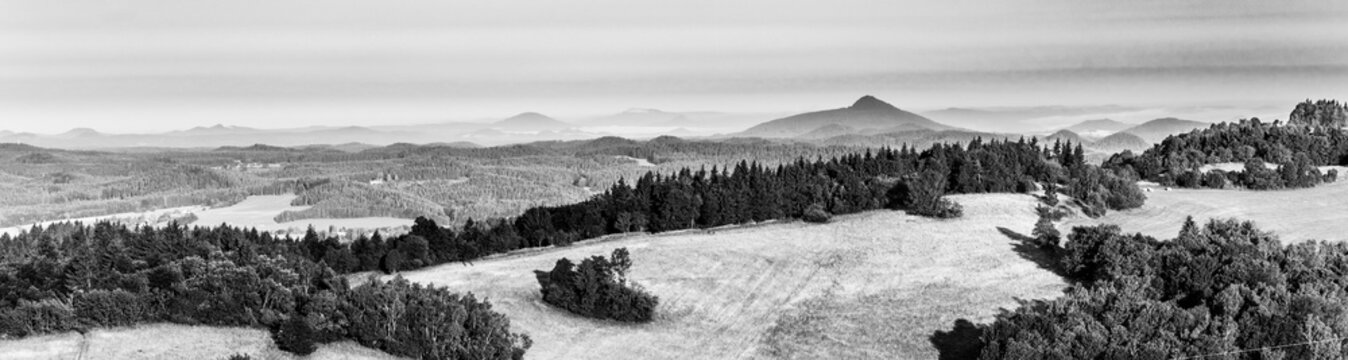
x=875, y=285
x=259, y=211
x=1319, y=213
x=169, y=341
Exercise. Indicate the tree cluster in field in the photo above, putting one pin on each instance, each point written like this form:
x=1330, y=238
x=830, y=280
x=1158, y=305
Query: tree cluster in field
x=1221, y=288
x=598, y=288
x=73, y=277
x=906, y=179
x=1298, y=150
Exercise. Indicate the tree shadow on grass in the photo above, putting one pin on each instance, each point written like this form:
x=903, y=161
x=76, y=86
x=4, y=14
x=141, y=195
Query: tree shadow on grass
x=964, y=342
x=1028, y=248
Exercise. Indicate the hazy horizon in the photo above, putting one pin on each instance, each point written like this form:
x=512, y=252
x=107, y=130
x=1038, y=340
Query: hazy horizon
x=152, y=66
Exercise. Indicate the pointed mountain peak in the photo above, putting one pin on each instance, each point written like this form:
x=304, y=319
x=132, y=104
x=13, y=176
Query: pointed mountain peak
x=870, y=102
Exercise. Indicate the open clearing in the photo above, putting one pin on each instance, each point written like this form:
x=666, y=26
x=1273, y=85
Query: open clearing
x=1295, y=215
x=169, y=341
x=871, y=285
x=640, y=162
x=258, y=212
x=152, y=217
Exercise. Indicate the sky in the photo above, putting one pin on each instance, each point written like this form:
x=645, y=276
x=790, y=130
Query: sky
x=159, y=65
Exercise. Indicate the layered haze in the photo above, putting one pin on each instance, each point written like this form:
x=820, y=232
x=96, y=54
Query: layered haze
x=149, y=65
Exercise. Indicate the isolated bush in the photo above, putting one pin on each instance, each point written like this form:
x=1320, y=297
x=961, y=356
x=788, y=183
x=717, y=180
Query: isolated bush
x=941, y=208
x=816, y=214
x=598, y=288
x=240, y=356
x=1045, y=233
x=295, y=335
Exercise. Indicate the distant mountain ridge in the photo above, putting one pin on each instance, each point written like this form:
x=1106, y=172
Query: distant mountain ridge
x=1124, y=139
x=1098, y=128
x=1156, y=130
x=530, y=121
x=638, y=117
x=867, y=113
x=1017, y=119
x=868, y=120
x=1064, y=136
x=1121, y=141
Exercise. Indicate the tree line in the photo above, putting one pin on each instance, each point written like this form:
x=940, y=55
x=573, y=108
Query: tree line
x=903, y=178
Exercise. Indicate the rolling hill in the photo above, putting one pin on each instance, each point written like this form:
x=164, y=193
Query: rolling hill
x=530, y=121
x=828, y=131
x=1121, y=141
x=644, y=122
x=1098, y=128
x=867, y=113
x=878, y=283
x=1017, y=119
x=1064, y=136
x=1156, y=130
x=637, y=117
